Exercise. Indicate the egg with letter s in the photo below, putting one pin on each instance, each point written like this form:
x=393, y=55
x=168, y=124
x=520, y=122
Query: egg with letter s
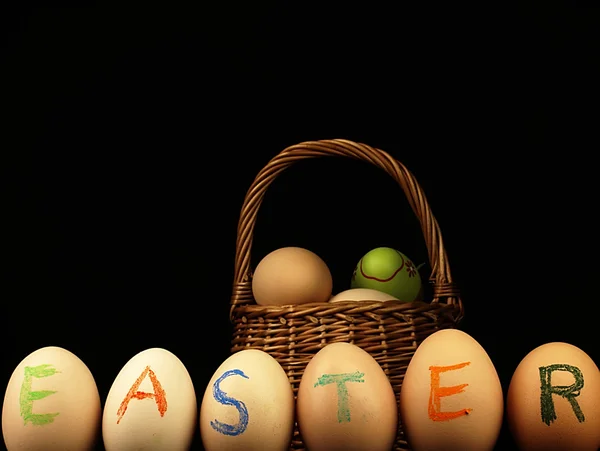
x=51, y=403
x=151, y=405
x=248, y=405
x=553, y=400
x=346, y=402
x=451, y=396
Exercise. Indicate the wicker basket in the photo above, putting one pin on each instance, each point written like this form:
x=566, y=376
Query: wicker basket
x=388, y=331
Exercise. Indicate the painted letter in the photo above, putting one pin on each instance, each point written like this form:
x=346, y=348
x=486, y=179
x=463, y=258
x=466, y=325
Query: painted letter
x=570, y=392
x=27, y=396
x=222, y=398
x=159, y=395
x=342, y=391
x=437, y=393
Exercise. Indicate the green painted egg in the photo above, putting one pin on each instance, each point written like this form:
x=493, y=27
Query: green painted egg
x=390, y=271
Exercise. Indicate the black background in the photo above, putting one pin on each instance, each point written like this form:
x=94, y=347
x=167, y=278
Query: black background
x=133, y=133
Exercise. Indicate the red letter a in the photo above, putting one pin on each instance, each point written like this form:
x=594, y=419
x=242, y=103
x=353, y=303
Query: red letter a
x=159, y=394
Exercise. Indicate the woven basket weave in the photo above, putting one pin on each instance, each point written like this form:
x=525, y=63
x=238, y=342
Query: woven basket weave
x=389, y=331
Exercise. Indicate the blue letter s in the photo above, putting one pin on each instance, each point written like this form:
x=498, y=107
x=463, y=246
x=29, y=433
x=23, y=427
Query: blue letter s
x=222, y=398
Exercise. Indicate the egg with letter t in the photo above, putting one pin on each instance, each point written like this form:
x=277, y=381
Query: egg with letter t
x=451, y=396
x=553, y=400
x=390, y=271
x=346, y=402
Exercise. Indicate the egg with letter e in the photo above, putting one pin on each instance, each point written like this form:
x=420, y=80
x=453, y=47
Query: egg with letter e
x=248, y=405
x=388, y=270
x=51, y=403
x=151, y=405
x=451, y=396
x=553, y=400
x=346, y=402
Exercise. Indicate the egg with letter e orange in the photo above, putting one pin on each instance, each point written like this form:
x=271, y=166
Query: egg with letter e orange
x=553, y=400
x=346, y=402
x=451, y=396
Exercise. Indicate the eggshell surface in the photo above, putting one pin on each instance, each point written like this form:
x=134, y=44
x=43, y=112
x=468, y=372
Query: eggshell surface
x=362, y=294
x=553, y=400
x=51, y=404
x=151, y=405
x=451, y=396
x=346, y=402
x=248, y=405
x=291, y=276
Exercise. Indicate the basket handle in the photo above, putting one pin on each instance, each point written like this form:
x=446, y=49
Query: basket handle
x=443, y=287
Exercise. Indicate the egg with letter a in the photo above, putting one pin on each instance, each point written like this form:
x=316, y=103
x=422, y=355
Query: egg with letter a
x=51, y=404
x=151, y=405
x=346, y=402
x=553, y=400
x=248, y=405
x=451, y=396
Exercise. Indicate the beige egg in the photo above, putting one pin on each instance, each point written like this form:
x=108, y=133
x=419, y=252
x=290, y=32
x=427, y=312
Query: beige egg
x=289, y=276
x=346, y=402
x=451, y=397
x=362, y=294
x=151, y=405
x=51, y=404
x=248, y=405
x=553, y=400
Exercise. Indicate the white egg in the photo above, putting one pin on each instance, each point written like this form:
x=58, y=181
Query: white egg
x=362, y=294
x=151, y=405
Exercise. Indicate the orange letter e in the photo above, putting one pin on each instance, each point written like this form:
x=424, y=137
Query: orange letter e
x=437, y=393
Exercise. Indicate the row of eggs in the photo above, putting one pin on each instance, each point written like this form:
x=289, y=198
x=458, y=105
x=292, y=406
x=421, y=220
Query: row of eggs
x=451, y=398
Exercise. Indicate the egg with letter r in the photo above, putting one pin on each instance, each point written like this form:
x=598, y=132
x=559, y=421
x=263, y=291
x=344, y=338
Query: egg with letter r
x=248, y=405
x=51, y=403
x=346, y=402
x=553, y=400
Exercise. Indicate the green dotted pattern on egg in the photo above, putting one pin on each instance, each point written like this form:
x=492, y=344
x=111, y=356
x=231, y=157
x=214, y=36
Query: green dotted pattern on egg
x=390, y=271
